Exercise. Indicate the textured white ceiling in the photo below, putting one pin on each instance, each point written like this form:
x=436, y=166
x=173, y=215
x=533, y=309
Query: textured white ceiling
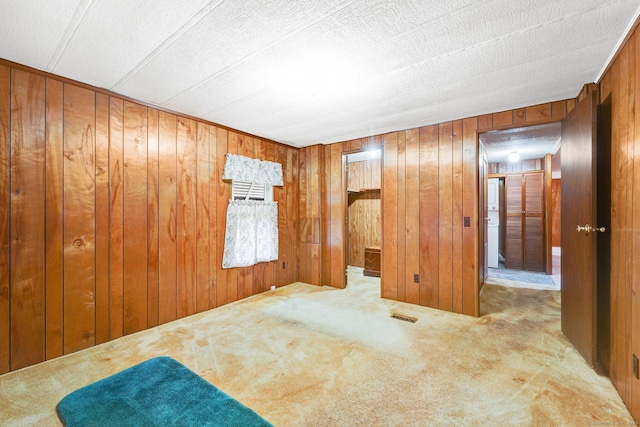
x=531, y=142
x=305, y=72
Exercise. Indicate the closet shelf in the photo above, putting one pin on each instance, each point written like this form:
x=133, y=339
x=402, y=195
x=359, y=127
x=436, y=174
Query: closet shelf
x=362, y=190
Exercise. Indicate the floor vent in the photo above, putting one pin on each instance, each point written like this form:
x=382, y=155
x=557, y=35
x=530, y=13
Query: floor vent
x=404, y=318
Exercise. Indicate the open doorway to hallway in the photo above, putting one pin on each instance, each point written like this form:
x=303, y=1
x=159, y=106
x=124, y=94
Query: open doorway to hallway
x=363, y=215
x=522, y=205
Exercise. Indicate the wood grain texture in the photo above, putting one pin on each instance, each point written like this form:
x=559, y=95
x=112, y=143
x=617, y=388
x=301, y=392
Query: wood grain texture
x=153, y=232
x=401, y=218
x=337, y=213
x=102, y=218
x=214, y=184
x=79, y=218
x=186, y=217
x=117, y=217
x=470, y=237
x=457, y=216
x=292, y=172
x=116, y=214
x=167, y=217
x=429, y=211
x=365, y=228
x=412, y=216
x=54, y=217
x=224, y=193
x=135, y=215
x=202, y=217
x=5, y=206
x=389, y=274
x=27, y=269
x=633, y=320
x=445, y=216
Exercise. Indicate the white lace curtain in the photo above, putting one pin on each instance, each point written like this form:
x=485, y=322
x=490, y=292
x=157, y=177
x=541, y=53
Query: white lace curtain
x=251, y=234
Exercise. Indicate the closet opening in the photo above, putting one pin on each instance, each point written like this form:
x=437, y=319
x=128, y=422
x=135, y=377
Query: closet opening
x=521, y=205
x=363, y=217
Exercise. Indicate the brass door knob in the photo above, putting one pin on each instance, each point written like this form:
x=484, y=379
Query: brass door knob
x=587, y=229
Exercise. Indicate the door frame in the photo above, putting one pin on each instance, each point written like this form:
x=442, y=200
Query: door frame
x=547, y=206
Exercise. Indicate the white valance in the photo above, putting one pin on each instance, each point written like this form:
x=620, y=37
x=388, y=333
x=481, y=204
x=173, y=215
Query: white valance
x=245, y=169
x=251, y=234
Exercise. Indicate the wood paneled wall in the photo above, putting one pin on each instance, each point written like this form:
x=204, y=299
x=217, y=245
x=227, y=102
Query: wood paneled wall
x=112, y=217
x=365, y=226
x=622, y=84
x=429, y=186
x=311, y=211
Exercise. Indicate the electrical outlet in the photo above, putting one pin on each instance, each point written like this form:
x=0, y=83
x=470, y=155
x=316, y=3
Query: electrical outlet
x=273, y=288
x=416, y=278
x=467, y=221
x=635, y=366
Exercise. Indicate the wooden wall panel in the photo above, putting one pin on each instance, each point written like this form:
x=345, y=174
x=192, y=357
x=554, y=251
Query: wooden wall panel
x=167, y=225
x=292, y=173
x=135, y=218
x=389, y=274
x=412, y=216
x=102, y=219
x=79, y=218
x=429, y=211
x=5, y=155
x=457, y=216
x=203, y=221
x=186, y=217
x=53, y=217
x=621, y=84
x=214, y=184
x=633, y=319
x=445, y=216
x=470, y=238
x=401, y=217
x=116, y=234
x=27, y=269
x=153, y=232
x=337, y=214
x=118, y=217
x=224, y=194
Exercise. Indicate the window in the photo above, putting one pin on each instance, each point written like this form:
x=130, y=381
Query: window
x=240, y=190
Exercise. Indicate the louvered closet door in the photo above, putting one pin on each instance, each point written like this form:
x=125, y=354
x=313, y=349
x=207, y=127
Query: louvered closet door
x=513, y=203
x=524, y=245
x=533, y=257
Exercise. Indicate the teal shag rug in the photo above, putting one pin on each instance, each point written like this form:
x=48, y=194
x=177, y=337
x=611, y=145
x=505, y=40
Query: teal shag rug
x=157, y=392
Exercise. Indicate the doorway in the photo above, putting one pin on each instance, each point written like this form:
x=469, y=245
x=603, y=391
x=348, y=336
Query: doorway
x=522, y=204
x=363, y=214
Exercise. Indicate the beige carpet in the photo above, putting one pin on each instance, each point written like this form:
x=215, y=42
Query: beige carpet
x=310, y=356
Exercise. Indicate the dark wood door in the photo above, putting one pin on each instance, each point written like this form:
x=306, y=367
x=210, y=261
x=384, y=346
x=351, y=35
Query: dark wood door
x=579, y=209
